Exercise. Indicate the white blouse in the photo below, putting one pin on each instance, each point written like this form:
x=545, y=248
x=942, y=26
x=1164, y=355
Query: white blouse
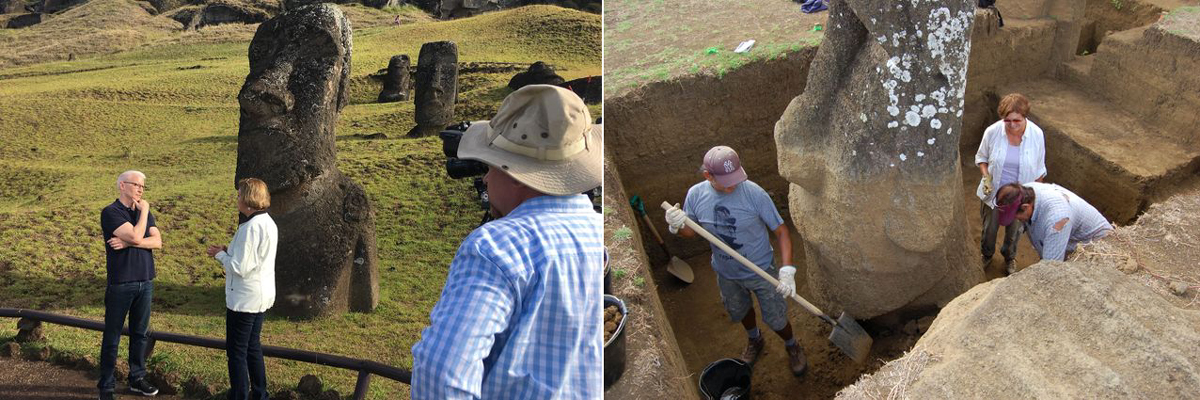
x=994, y=148
x=250, y=265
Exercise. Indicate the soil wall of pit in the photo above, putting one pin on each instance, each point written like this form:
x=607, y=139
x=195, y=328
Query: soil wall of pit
x=657, y=135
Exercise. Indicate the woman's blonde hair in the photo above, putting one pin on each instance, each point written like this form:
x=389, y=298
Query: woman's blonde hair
x=1013, y=103
x=253, y=192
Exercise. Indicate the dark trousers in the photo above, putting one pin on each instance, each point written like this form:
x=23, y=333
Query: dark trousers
x=247, y=373
x=991, y=226
x=133, y=299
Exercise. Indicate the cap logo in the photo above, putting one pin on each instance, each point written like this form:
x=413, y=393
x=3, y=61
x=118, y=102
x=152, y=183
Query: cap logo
x=728, y=166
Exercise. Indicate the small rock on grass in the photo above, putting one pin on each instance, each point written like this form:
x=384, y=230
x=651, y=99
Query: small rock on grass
x=330, y=395
x=286, y=394
x=310, y=385
x=10, y=349
x=1128, y=267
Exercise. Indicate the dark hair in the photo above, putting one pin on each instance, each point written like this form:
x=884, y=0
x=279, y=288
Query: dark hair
x=1009, y=193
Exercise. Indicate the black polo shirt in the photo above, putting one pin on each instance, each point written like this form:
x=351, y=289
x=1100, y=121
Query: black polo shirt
x=131, y=263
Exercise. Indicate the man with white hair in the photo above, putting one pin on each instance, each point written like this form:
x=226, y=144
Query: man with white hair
x=130, y=236
x=520, y=315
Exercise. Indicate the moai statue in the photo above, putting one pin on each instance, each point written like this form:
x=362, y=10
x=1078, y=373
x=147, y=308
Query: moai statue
x=297, y=86
x=871, y=150
x=436, y=88
x=397, y=81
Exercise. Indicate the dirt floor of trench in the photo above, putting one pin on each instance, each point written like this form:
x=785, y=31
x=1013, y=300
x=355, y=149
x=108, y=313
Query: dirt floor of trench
x=705, y=333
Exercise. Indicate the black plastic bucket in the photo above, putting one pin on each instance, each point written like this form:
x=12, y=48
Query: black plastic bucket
x=607, y=273
x=726, y=379
x=614, y=348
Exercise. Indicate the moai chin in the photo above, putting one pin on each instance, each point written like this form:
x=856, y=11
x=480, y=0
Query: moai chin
x=297, y=86
x=871, y=150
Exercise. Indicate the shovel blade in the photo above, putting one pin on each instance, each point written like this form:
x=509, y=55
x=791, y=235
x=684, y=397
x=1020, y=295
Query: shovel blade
x=849, y=337
x=681, y=269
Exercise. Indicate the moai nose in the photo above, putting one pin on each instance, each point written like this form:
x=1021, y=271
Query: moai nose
x=267, y=96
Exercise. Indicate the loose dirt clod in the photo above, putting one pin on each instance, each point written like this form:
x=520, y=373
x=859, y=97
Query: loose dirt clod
x=612, y=319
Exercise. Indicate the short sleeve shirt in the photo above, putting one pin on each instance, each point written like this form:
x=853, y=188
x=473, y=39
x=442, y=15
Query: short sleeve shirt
x=741, y=219
x=130, y=264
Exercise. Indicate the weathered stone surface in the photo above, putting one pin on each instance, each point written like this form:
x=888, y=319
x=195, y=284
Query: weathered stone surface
x=436, y=89
x=871, y=151
x=286, y=394
x=1055, y=330
x=310, y=385
x=10, y=349
x=22, y=21
x=297, y=86
x=12, y=6
x=397, y=81
x=539, y=73
x=29, y=330
x=53, y=6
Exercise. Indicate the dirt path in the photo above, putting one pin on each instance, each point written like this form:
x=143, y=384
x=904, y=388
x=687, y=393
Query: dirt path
x=37, y=380
x=709, y=335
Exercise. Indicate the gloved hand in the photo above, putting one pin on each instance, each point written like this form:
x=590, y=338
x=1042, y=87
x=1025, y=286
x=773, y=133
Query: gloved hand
x=987, y=185
x=787, y=281
x=675, y=218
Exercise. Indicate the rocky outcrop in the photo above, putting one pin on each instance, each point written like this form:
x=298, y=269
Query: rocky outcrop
x=12, y=6
x=22, y=21
x=1053, y=330
x=298, y=83
x=539, y=73
x=436, y=91
x=224, y=12
x=871, y=152
x=587, y=88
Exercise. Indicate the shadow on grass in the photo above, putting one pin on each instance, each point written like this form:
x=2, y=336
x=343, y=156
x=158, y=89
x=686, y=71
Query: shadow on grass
x=42, y=294
x=214, y=139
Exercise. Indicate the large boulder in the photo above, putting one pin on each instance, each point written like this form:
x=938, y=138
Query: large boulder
x=539, y=73
x=12, y=6
x=1053, y=330
x=396, y=81
x=871, y=151
x=436, y=88
x=25, y=20
x=298, y=83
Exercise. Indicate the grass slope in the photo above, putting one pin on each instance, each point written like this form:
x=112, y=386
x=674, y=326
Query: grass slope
x=67, y=129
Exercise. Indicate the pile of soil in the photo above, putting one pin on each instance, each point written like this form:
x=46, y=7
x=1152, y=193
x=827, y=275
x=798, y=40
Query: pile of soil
x=612, y=319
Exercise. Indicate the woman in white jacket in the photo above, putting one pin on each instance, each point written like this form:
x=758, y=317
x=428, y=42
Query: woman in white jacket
x=1012, y=150
x=249, y=262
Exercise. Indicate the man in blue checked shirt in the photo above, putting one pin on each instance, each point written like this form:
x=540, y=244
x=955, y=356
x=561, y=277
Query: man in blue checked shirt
x=520, y=315
x=1057, y=218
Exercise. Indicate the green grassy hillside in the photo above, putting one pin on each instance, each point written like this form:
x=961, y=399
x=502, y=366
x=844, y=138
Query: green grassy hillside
x=68, y=128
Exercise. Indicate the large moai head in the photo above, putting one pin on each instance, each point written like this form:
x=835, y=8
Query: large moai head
x=397, y=81
x=871, y=150
x=297, y=86
x=436, y=87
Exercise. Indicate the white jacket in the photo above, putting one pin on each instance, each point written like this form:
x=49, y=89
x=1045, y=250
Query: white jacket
x=250, y=265
x=993, y=149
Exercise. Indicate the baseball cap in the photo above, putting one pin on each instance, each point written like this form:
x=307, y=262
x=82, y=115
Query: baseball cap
x=724, y=166
x=1008, y=212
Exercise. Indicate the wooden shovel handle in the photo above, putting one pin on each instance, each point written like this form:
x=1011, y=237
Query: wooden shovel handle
x=749, y=264
x=652, y=229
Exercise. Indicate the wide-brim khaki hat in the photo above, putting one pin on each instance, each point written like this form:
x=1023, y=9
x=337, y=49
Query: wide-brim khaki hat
x=543, y=137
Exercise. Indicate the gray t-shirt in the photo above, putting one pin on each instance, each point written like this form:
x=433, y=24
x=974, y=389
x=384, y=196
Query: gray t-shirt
x=741, y=219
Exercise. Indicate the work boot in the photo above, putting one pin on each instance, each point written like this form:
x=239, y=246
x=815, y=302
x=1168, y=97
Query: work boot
x=753, y=349
x=1010, y=266
x=797, y=360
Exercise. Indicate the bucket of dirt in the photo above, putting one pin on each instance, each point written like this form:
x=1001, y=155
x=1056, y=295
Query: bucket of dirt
x=607, y=273
x=726, y=379
x=615, y=315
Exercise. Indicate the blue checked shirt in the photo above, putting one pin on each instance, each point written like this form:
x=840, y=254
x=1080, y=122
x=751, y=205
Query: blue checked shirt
x=1053, y=203
x=520, y=315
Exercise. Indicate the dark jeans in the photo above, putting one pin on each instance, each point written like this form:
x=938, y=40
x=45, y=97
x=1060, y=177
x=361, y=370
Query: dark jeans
x=247, y=373
x=991, y=226
x=132, y=298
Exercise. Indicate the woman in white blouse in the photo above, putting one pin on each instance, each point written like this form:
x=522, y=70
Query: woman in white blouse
x=249, y=262
x=1012, y=150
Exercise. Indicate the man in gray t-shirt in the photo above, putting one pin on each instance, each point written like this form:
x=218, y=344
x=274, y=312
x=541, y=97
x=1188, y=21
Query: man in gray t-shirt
x=740, y=213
